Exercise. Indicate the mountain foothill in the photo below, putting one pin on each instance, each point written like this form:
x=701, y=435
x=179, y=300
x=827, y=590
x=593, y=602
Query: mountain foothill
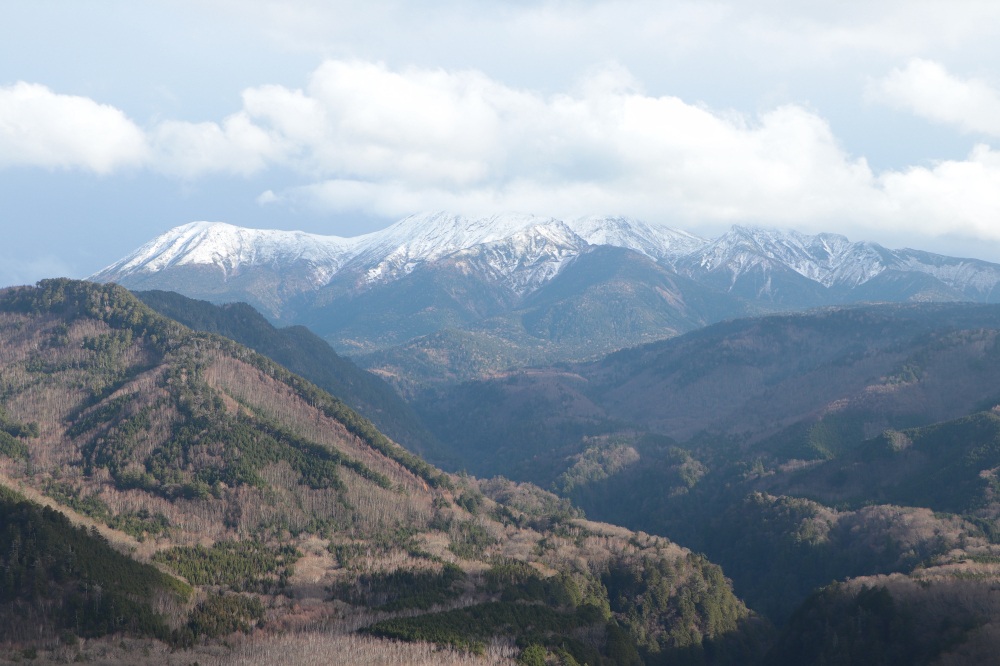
x=503, y=440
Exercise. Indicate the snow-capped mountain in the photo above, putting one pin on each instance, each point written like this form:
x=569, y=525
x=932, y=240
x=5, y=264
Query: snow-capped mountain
x=760, y=256
x=825, y=258
x=654, y=242
x=521, y=251
x=520, y=288
x=505, y=245
x=232, y=249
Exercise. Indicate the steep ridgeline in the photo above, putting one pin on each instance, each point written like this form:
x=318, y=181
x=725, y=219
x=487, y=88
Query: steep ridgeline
x=792, y=449
x=795, y=271
x=799, y=386
x=305, y=354
x=440, y=297
x=282, y=508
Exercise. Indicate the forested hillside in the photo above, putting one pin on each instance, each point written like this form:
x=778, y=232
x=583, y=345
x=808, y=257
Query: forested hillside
x=285, y=510
x=796, y=386
x=794, y=450
x=302, y=352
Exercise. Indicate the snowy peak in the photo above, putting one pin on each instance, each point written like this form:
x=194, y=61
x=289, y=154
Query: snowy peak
x=527, y=258
x=232, y=249
x=654, y=242
x=977, y=279
x=829, y=259
x=398, y=249
x=833, y=261
x=523, y=252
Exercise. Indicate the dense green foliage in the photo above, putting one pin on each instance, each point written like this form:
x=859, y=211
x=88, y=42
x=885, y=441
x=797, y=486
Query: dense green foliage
x=867, y=628
x=220, y=615
x=868, y=625
x=663, y=615
x=472, y=627
x=73, y=298
x=242, y=566
x=12, y=447
x=305, y=354
x=59, y=577
x=13, y=434
x=403, y=588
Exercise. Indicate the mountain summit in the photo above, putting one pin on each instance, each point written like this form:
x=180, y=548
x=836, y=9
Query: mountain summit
x=508, y=245
x=443, y=295
x=832, y=267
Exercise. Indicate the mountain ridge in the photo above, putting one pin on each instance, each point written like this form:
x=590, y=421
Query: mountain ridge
x=283, y=508
x=474, y=297
x=831, y=260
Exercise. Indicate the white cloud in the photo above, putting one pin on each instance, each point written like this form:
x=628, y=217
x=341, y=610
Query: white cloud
x=928, y=90
x=954, y=197
x=267, y=197
x=236, y=146
x=392, y=142
x=41, y=128
x=363, y=137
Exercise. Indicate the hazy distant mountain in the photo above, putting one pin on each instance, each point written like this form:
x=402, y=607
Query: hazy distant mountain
x=522, y=289
x=793, y=449
x=801, y=385
x=797, y=270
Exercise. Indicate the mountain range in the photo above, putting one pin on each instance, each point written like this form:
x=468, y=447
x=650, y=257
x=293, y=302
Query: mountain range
x=163, y=491
x=442, y=297
x=853, y=444
x=793, y=449
x=803, y=409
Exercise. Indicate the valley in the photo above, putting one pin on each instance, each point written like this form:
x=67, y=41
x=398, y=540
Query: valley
x=532, y=441
x=256, y=503
x=438, y=297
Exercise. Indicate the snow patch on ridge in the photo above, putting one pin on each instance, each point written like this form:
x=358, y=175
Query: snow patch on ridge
x=232, y=248
x=523, y=252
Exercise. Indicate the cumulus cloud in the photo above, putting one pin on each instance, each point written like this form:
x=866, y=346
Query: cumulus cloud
x=955, y=197
x=361, y=136
x=927, y=89
x=236, y=146
x=41, y=128
x=391, y=142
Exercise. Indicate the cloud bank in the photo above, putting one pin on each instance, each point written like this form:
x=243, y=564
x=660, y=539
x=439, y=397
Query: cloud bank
x=40, y=128
x=361, y=136
x=928, y=90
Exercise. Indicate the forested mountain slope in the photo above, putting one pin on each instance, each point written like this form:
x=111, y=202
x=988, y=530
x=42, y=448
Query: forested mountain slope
x=305, y=354
x=795, y=450
x=284, y=509
x=787, y=386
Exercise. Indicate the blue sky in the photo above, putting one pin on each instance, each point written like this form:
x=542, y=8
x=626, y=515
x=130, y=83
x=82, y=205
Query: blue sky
x=120, y=120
